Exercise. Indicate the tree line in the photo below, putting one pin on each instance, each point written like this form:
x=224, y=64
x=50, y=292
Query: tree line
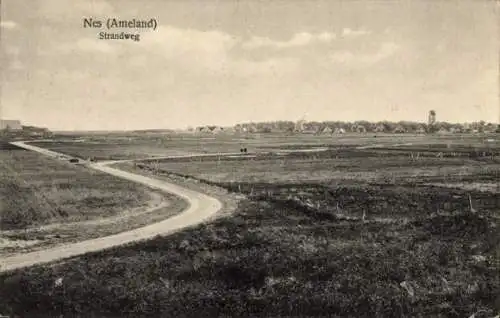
x=363, y=125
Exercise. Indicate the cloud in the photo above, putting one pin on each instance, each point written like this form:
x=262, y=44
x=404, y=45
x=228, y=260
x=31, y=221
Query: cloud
x=9, y=25
x=385, y=50
x=207, y=47
x=211, y=51
x=347, y=32
x=267, y=67
x=297, y=40
x=326, y=36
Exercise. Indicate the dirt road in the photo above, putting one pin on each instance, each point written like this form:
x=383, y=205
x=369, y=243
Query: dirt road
x=201, y=207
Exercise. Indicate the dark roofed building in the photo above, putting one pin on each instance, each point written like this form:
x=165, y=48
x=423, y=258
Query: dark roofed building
x=399, y=129
x=421, y=130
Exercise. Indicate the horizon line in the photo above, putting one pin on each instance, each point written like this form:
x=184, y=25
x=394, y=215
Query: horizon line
x=261, y=122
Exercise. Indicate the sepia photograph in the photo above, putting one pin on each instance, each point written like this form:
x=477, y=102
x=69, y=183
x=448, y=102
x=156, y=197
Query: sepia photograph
x=250, y=158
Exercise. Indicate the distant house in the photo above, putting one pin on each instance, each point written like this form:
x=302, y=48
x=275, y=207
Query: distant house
x=421, y=130
x=399, y=130
x=443, y=131
x=455, y=130
x=309, y=129
x=10, y=124
x=466, y=129
x=315, y=127
x=359, y=129
x=266, y=128
x=36, y=131
x=210, y=129
x=339, y=131
x=326, y=131
x=379, y=128
x=203, y=129
x=251, y=128
x=216, y=129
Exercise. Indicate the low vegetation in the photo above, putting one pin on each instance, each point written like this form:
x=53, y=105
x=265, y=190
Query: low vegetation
x=335, y=246
x=276, y=258
x=141, y=145
x=346, y=232
x=37, y=191
x=379, y=165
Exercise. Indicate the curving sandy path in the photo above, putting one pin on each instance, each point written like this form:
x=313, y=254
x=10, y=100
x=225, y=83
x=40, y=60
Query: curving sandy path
x=201, y=207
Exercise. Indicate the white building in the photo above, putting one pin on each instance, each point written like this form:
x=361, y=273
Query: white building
x=327, y=130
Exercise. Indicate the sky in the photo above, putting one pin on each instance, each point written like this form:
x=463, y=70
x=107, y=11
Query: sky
x=229, y=61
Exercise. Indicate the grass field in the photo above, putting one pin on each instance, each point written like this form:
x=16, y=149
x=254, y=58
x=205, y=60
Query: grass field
x=345, y=232
x=42, y=198
x=370, y=165
x=134, y=146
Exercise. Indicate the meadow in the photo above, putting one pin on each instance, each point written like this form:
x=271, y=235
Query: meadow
x=345, y=232
x=138, y=146
x=370, y=165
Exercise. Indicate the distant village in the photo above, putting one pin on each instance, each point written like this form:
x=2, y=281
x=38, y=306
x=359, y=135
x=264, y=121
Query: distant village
x=340, y=127
x=14, y=128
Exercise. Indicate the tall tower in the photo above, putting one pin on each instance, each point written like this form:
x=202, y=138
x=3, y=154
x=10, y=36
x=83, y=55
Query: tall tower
x=432, y=118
